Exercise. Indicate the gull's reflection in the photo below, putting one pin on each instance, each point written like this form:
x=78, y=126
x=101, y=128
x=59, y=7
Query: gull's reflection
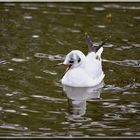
x=77, y=98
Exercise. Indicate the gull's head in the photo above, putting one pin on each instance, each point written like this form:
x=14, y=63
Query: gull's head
x=74, y=59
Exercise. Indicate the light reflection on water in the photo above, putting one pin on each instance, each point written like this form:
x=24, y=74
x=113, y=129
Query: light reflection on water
x=77, y=98
x=35, y=37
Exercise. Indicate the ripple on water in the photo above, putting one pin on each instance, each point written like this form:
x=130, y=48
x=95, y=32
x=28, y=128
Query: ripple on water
x=131, y=7
x=137, y=17
x=72, y=133
x=4, y=62
x=20, y=59
x=50, y=57
x=73, y=30
x=50, y=5
x=109, y=104
x=10, y=110
x=113, y=116
x=40, y=55
x=73, y=7
x=10, y=4
x=50, y=72
x=112, y=6
x=121, y=7
x=127, y=62
x=113, y=88
x=101, y=26
x=99, y=8
x=13, y=127
x=28, y=17
x=10, y=69
x=28, y=6
x=55, y=57
x=136, y=45
x=48, y=98
x=123, y=90
x=108, y=45
x=77, y=118
x=126, y=47
x=45, y=129
x=128, y=109
x=35, y=36
x=97, y=126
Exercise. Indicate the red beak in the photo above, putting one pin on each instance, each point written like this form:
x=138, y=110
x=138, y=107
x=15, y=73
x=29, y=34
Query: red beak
x=67, y=68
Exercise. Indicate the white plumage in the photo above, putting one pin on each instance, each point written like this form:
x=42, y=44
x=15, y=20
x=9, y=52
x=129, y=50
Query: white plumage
x=86, y=73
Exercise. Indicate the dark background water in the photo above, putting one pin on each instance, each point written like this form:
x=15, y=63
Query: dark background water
x=36, y=36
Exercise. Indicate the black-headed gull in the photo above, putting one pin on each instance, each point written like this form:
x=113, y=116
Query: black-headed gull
x=84, y=71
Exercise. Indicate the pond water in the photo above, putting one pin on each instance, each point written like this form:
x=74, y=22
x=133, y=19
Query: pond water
x=36, y=36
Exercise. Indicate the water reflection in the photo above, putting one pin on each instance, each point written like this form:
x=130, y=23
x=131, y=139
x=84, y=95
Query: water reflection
x=35, y=36
x=77, y=98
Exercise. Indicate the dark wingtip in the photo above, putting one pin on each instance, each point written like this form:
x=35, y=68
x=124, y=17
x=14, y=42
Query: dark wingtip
x=91, y=47
x=102, y=43
x=89, y=42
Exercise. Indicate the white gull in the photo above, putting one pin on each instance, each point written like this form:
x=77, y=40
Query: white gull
x=84, y=71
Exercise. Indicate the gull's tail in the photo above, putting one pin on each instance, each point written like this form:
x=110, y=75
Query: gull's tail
x=91, y=47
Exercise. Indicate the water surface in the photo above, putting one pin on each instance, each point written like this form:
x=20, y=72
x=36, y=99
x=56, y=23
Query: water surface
x=36, y=36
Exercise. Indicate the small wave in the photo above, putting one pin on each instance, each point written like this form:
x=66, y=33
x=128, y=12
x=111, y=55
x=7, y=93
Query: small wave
x=99, y=8
x=73, y=30
x=73, y=7
x=101, y=26
x=35, y=36
x=127, y=62
x=112, y=6
x=133, y=63
x=28, y=7
x=28, y=17
x=13, y=126
x=4, y=62
x=101, y=124
x=137, y=17
x=50, y=57
x=20, y=59
x=10, y=110
x=55, y=57
x=114, y=116
x=131, y=7
x=128, y=109
x=47, y=98
x=115, y=89
x=40, y=55
x=121, y=7
x=10, y=4
x=50, y=72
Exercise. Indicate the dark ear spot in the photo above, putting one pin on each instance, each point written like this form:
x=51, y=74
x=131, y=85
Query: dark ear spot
x=79, y=60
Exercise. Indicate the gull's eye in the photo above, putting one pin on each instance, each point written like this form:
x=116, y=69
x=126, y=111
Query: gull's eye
x=79, y=60
x=71, y=61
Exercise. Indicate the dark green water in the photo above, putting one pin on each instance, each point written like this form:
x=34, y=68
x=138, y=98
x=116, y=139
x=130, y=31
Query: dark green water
x=36, y=36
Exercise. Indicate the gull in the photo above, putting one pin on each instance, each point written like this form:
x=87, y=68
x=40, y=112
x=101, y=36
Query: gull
x=84, y=70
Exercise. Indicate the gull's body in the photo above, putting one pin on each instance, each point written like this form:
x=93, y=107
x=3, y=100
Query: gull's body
x=88, y=74
x=84, y=71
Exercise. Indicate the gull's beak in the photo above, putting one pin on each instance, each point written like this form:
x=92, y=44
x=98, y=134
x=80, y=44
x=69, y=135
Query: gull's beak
x=62, y=64
x=69, y=66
